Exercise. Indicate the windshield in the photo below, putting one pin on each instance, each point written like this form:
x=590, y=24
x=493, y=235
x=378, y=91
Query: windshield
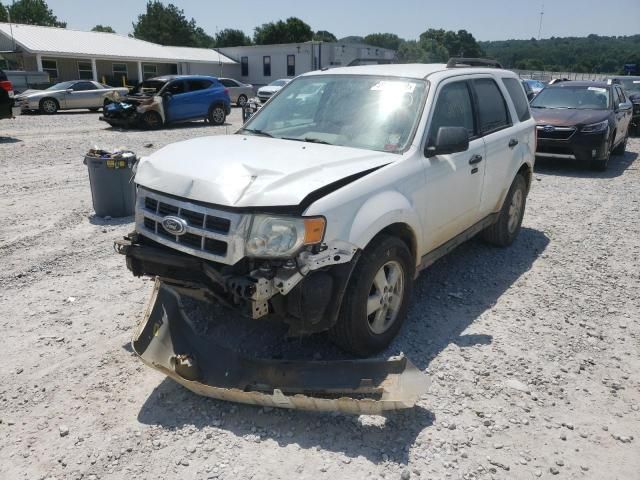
x=630, y=86
x=278, y=83
x=374, y=113
x=582, y=98
x=61, y=86
x=535, y=83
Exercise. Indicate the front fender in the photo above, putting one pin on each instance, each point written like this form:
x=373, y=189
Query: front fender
x=381, y=211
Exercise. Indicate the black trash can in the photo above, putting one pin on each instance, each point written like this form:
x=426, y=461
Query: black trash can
x=111, y=178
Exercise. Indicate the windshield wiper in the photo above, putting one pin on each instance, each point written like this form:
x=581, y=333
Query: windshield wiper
x=255, y=131
x=308, y=140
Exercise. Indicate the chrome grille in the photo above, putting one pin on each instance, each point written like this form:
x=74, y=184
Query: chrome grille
x=212, y=234
x=558, y=133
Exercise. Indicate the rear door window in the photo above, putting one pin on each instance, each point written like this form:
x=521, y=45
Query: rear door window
x=514, y=87
x=492, y=108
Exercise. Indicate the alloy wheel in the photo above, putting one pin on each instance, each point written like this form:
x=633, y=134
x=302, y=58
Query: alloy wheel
x=385, y=297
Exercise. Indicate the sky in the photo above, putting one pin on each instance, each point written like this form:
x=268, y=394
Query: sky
x=485, y=19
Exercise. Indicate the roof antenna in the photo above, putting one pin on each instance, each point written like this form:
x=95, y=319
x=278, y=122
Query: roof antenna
x=540, y=26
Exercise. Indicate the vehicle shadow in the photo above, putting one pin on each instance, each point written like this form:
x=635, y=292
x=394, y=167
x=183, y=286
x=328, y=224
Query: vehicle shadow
x=448, y=298
x=618, y=164
x=9, y=140
x=376, y=438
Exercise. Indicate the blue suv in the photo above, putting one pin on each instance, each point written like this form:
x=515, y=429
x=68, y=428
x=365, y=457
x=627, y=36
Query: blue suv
x=170, y=99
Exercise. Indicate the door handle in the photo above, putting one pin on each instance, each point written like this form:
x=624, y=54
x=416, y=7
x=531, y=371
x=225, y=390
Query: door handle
x=513, y=142
x=475, y=159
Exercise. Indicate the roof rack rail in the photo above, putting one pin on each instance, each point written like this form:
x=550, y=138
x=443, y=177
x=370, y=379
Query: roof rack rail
x=459, y=62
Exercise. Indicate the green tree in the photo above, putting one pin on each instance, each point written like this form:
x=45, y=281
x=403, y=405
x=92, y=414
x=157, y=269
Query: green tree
x=103, y=28
x=230, y=37
x=384, y=40
x=352, y=39
x=167, y=25
x=324, y=36
x=3, y=14
x=34, y=12
x=427, y=51
x=293, y=30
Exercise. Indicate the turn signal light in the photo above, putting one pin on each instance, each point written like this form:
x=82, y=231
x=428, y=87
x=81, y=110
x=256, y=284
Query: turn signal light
x=314, y=230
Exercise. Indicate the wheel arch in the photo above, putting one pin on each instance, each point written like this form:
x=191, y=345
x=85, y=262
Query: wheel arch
x=55, y=100
x=388, y=213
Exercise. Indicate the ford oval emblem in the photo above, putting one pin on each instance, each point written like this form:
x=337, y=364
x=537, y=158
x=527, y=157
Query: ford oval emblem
x=549, y=128
x=174, y=225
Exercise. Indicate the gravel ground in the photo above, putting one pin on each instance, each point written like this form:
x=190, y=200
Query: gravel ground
x=534, y=350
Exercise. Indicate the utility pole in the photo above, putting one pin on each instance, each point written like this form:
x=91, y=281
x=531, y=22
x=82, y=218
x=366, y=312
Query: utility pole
x=540, y=25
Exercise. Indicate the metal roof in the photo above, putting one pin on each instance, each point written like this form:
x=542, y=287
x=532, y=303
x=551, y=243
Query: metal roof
x=75, y=43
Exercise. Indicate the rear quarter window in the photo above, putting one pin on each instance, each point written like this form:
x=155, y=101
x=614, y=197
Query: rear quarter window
x=516, y=92
x=492, y=108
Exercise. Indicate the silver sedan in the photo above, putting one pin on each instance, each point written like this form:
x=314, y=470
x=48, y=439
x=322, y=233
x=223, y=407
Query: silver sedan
x=69, y=95
x=239, y=92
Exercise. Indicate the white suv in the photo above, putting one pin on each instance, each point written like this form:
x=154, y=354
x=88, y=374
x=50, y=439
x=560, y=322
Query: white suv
x=323, y=208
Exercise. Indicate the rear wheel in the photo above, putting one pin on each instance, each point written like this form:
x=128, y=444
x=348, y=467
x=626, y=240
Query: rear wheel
x=49, y=106
x=242, y=101
x=375, y=303
x=506, y=229
x=152, y=120
x=217, y=115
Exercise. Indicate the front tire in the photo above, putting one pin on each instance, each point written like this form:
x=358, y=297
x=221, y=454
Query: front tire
x=217, y=115
x=49, y=106
x=620, y=149
x=602, y=164
x=375, y=303
x=152, y=120
x=506, y=229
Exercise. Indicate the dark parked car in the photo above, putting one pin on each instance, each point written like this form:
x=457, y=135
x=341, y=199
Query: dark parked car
x=631, y=88
x=528, y=90
x=586, y=121
x=171, y=99
x=7, y=108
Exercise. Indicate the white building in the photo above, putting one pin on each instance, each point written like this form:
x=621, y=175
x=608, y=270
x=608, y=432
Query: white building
x=114, y=59
x=261, y=64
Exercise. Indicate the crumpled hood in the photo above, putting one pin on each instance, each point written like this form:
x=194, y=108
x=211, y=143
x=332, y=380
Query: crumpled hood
x=565, y=117
x=251, y=171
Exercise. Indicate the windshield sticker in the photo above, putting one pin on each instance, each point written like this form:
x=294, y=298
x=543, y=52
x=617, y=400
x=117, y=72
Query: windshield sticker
x=598, y=89
x=399, y=87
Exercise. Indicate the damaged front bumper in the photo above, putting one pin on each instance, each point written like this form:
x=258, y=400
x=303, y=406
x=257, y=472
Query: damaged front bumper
x=166, y=340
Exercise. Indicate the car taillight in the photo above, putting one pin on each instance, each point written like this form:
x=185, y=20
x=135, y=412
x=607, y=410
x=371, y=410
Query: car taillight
x=6, y=85
x=226, y=90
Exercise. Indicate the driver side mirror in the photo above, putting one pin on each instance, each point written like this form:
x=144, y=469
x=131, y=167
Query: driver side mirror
x=448, y=140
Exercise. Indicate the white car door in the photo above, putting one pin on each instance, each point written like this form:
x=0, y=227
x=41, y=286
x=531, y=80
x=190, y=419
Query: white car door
x=454, y=182
x=505, y=139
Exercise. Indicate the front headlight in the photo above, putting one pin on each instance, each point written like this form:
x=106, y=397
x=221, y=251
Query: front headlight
x=595, y=127
x=272, y=236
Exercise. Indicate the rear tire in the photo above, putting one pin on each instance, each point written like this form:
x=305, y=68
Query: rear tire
x=506, y=229
x=152, y=120
x=376, y=299
x=217, y=115
x=49, y=106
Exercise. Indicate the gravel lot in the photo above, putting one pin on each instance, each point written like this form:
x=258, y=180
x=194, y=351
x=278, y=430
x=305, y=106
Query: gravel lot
x=534, y=350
